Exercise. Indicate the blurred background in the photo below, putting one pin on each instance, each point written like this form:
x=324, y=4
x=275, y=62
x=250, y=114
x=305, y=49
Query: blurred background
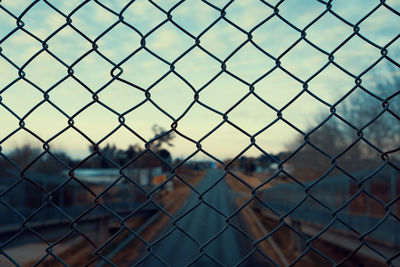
x=125, y=125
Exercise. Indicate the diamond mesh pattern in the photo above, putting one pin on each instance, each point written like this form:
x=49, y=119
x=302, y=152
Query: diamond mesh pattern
x=115, y=67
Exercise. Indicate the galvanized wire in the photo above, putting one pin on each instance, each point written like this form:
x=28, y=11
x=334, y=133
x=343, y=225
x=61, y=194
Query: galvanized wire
x=116, y=75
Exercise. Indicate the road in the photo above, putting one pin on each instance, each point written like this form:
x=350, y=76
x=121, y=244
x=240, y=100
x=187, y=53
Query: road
x=202, y=224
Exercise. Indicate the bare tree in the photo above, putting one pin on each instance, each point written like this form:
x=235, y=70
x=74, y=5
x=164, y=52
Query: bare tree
x=23, y=155
x=366, y=125
x=161, y=136
x=26, y=154
x=121, y=157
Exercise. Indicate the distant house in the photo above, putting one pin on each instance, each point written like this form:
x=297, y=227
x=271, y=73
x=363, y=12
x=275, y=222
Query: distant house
x=148, y=170
x=145, y=175
x=96, y=175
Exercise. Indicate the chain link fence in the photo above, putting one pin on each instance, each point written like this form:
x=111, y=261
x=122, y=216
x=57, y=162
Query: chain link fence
x=336, y=181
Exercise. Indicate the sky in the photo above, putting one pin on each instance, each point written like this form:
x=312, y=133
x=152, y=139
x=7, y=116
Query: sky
x=172, y=94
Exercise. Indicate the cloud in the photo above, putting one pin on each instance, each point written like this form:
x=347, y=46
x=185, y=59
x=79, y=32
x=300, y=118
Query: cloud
x=137, y=14
x=222, y=39
x=54, y=21
x=20, y=47
x=101, y=15
x=248, y=13
x=15, y=6
x=194, y=22
x=169, y=42
x=92, y=19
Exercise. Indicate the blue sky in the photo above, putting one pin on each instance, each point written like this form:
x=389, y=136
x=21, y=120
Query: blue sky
x=172, y=94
